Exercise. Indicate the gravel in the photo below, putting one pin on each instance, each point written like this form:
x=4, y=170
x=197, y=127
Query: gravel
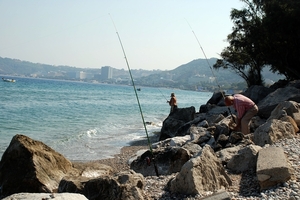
x=245, y=186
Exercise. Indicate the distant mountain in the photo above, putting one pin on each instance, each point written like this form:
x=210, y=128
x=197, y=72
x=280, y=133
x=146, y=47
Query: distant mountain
x=195, y=75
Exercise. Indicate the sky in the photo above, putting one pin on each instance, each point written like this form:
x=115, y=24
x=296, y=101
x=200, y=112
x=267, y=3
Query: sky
x=156, y=34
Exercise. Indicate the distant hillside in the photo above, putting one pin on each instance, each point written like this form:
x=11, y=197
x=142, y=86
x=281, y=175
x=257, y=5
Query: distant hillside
x=200, y=75
x=195, y=75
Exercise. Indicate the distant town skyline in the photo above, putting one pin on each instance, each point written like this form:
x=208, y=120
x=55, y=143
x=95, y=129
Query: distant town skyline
x=155, y=34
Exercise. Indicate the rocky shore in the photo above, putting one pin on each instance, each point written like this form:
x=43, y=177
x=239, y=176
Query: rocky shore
x=196, y=155
x=244, y=186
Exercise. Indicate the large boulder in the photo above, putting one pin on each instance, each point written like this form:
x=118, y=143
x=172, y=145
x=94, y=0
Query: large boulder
x=176, y=124
x=267, y=105
x=244, y=160
x=126, y=185
x=257, y=92
x=201, y=174
x=166, y=161
x=28, y=165
x=272, y=131
x=217, y=99
x=287, y=108
x=272, y=167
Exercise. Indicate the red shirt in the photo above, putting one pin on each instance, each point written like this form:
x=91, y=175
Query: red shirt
x=242, y=104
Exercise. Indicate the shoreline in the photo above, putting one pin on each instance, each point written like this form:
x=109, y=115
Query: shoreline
x=119, y=162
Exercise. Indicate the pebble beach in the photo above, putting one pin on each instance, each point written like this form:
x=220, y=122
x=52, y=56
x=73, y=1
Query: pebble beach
x=245, y=186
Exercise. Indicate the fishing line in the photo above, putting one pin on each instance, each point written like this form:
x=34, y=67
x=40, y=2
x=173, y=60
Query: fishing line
x=210, y=69
x=163, y=94
x=137, y=98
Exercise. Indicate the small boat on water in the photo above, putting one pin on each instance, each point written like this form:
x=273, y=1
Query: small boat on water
x=8, y=80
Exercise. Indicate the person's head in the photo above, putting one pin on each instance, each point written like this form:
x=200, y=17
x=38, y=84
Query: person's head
x=172, y=95
x=228, y=100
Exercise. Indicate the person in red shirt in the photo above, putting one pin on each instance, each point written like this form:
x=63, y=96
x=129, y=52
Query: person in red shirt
x=172, y=102
x=245, y=108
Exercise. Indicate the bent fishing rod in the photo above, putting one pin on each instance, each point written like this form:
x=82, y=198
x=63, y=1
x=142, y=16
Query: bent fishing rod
x=211, y=71
x=137, y=98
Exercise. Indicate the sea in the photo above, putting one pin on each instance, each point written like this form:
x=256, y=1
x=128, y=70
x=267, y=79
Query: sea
x=85, y=121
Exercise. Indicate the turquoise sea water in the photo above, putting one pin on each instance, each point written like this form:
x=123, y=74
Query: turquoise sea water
x=84, y=121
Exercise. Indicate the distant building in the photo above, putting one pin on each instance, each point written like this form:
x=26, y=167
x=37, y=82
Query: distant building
x=83, y=75
x=106, y=73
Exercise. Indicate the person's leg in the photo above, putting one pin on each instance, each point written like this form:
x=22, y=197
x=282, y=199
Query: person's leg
x=246, y=119
x=171, y=109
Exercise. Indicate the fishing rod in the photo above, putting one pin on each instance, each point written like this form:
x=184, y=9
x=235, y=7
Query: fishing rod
x=163, y=94
x=137, y=98
x=211, y=70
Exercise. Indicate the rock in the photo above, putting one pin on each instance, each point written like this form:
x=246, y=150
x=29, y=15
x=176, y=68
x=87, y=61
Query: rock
x=222, y=140
x=56, y=196
x=179, y=141
x=244, y=160
x=31, y=166
x=219, y=195
x=175, y=121
x=174, y=141
x=272, y=131
x=124, y=186
x=168, y=160
x=194, y=149
x=236, y=137
x=269, y=103
x=272, y=167
x=92, y=169
x=290, y=120
x=226, y=154
x=287, y=108
x=200, y=174
x=217, y=99
x=200, y=135
x=257, y=92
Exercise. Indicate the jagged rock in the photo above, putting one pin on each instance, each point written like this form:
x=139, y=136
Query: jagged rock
x=195, y=132
x=292, y=121
x=179, y=141
x=244, y=160
x=217, y=98
x=272, y=131
x=269, y=103
x=200, y=174
x=175, y=121
x=167, y=161
x=174, y=141
x=124, y=186
x=31, y=166
x=194, y=149
x=222, y=140
x=235, y=137
x=287, y=108
x=213, y=118
x=202, y=138
x=226, y=154
x=203, y=123
x=295, y=83
x=256, y=122
x=257, y=92
x=272, y=167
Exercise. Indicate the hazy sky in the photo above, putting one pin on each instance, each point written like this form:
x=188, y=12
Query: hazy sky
x=80, y=33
